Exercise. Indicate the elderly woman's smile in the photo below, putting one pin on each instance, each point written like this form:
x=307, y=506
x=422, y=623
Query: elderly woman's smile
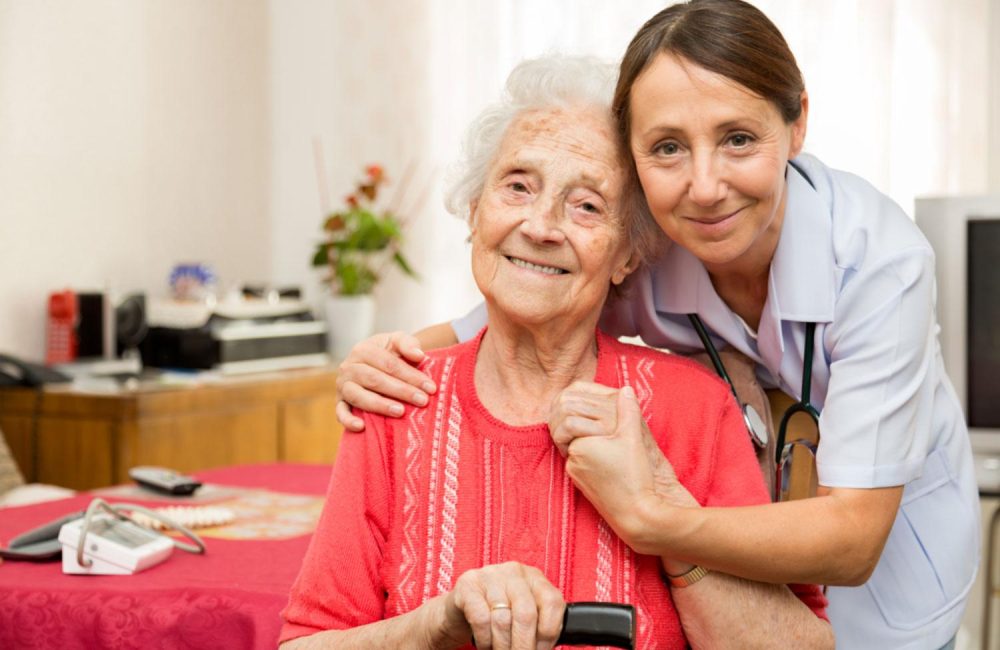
x=548, y=238
x=531, y=266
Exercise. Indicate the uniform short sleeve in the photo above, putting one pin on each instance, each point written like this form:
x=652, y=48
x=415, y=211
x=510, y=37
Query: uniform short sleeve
x=340, y=583
x=469, y=325
x=882, y=346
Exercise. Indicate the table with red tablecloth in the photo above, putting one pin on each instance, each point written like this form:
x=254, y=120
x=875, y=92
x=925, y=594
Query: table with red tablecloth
x=230, y=597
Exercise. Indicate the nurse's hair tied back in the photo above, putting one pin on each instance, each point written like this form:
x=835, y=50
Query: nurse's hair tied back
x=731, y=38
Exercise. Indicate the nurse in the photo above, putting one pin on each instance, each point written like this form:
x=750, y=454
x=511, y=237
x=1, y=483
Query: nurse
x=767, y=244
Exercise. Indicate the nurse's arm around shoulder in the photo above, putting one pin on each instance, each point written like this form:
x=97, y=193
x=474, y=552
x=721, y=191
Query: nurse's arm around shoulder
x=379, y=373
x=835, y=538
x=875, y=436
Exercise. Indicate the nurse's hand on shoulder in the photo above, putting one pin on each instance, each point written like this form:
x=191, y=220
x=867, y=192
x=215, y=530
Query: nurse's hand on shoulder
x=613, y=459
x=378, y=375
x=502, y=606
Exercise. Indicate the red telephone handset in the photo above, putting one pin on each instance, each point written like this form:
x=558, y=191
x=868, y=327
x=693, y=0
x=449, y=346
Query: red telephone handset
x=61, y=343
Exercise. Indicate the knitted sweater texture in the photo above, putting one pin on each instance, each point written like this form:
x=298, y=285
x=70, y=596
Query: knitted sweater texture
x=416, y=501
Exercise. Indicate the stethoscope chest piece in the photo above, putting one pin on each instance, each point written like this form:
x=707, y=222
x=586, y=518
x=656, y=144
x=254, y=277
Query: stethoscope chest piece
x=755, y=425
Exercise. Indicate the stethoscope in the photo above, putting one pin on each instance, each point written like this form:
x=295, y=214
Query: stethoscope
x=754, y=423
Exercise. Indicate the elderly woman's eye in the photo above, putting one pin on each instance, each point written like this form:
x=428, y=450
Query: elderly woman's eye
x=590, y=207
x=518, y=186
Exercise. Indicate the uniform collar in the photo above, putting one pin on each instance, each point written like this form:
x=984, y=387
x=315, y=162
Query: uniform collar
x=802, y=278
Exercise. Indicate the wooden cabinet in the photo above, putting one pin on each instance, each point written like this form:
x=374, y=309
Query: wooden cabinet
x=86, y=440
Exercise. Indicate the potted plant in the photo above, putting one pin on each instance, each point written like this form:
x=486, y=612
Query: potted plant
x=358, y=242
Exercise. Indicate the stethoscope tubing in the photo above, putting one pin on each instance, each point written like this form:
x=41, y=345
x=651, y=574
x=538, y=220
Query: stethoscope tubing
x=802, y=405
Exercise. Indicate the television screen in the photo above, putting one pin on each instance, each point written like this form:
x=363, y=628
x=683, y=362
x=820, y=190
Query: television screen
x=983, y=323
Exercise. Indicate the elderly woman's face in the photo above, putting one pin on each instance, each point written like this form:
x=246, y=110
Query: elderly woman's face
x=547, y=234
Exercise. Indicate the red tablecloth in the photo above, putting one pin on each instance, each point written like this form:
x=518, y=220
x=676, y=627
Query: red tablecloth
x=228, y=598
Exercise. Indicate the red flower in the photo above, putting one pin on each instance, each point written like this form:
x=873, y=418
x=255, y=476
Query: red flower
x=375, y=172
x=351, y=200
x=334, y=223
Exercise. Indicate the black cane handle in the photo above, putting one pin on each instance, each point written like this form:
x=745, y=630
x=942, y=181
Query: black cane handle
x=598, y=624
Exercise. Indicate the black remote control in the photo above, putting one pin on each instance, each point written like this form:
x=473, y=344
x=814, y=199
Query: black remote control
x=164, y=481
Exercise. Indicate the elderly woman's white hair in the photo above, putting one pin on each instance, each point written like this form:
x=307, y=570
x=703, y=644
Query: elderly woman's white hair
x=536, y=83
x=549, y=81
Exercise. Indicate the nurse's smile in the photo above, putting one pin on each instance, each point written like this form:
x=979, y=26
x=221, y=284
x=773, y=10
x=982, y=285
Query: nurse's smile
x=714, y=226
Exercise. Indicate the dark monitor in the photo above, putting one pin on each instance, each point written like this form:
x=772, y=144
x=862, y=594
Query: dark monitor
x=983, y=323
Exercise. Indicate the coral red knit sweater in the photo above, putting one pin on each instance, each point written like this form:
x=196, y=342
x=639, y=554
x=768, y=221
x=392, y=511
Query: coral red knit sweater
x=416, y=501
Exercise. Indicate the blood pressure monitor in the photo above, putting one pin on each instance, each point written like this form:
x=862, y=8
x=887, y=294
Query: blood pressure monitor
x=112, y=546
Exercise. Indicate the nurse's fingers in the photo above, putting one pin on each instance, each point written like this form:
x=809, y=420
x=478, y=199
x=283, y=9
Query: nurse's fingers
x=567, y=429
x=391, y=354
x=407, y=345
x=583, y=409
x=350, y=421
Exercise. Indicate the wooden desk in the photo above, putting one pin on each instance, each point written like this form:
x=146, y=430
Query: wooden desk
x=88, y=440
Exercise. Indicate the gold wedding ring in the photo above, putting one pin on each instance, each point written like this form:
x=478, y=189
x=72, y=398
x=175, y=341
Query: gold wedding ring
x=496, y=606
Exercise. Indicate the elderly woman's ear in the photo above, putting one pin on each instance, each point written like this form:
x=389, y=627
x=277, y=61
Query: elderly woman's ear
x=625, y=270
x=473, y=204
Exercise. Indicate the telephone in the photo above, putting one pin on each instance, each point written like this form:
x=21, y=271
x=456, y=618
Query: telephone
x=14, y=372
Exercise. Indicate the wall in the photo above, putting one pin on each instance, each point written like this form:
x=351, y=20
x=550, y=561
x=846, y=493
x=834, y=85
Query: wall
x=993, y=107
x=352, y=85
x=133, y=135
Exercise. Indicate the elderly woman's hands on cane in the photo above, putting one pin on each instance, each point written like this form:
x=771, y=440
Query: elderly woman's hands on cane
x=504, y=606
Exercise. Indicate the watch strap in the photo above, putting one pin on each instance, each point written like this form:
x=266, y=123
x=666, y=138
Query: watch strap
x=688, y=578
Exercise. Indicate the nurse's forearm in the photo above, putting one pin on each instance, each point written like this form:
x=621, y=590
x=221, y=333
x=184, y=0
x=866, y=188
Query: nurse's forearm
x=721, y=611
x=833, y=539
x=436, y=336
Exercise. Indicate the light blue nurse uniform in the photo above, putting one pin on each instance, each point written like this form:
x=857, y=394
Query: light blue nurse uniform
x=850, y=260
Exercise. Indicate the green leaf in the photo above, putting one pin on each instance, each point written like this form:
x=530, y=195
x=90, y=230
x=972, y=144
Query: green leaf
x=404, y=265
x=347, y=274
x=350, y=239
x=321, y=256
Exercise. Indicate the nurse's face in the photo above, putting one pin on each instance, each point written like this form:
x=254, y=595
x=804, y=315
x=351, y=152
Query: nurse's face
x=711, y=158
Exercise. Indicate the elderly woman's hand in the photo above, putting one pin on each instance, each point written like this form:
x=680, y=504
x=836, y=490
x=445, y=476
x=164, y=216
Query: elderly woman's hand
x=611, y=456
x=377, y=372
x=505, y=606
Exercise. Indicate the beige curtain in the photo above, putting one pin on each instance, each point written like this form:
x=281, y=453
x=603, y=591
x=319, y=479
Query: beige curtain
x=905, y=93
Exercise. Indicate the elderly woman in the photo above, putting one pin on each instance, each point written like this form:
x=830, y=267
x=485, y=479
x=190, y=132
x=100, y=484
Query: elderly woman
x=460, y=522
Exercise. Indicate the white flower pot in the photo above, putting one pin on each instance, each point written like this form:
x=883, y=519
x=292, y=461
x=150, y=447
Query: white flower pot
x=349, y=319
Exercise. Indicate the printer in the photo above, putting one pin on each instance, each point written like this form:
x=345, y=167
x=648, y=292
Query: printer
x=233, y=336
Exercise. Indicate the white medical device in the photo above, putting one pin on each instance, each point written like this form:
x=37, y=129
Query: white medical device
x=112, y=544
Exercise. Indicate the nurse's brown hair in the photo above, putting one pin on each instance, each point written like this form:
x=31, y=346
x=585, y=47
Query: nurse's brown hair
x=728, y=37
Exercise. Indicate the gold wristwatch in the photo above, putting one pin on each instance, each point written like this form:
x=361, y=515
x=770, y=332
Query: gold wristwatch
x=688, y=578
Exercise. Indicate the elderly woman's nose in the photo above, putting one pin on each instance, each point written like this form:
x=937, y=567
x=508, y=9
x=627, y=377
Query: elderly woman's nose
x=706, y=186
x=541, y=222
